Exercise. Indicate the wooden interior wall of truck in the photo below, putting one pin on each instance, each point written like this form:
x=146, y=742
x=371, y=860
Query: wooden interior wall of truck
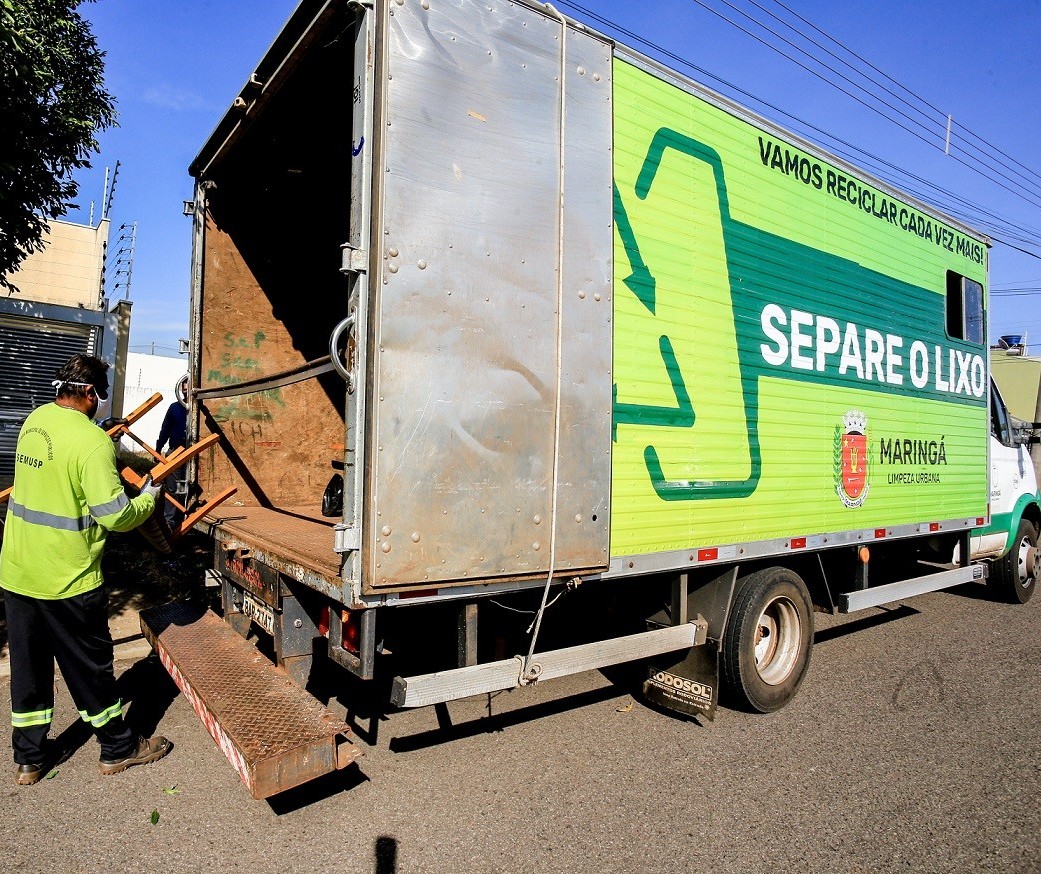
x=276, y=216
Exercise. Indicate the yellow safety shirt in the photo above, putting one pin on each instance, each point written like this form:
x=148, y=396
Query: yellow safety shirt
x=67, y=497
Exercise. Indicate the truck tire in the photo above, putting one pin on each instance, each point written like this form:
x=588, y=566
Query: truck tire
x=767, y=641
x=1012, y=576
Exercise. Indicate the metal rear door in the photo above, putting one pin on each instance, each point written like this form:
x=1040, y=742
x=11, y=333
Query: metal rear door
x=490, y=454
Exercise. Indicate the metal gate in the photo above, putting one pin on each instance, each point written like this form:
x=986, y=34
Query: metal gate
x=32, y=350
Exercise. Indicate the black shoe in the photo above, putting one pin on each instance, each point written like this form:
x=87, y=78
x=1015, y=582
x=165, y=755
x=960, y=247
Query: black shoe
x=26, y=775
x=146, y=751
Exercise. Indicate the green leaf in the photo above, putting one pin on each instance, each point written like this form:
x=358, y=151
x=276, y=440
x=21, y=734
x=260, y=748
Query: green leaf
x=52, y=79
x=53, y=773
x=155, y=817
x=173, y=790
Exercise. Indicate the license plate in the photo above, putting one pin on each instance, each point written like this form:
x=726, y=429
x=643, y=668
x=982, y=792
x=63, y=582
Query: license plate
x=259, y=612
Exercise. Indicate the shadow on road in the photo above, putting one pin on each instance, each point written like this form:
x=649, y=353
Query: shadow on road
x=336, y=783
x=447, y=732
x=150, y=691
x=386, y=851
x=146, y=687
x=862, y=624
x=973, y=591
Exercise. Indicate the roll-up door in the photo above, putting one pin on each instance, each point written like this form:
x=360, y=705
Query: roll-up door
x=31, y=352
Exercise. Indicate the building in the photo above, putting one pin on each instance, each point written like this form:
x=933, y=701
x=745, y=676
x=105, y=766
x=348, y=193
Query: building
x=147, y=375
x=1019, y=378
x=59, y=310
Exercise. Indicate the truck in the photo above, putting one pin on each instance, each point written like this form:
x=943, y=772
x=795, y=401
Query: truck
x=490, y=309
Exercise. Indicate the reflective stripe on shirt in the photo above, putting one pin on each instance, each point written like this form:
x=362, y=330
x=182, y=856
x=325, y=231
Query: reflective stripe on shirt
x=49, y=520
x=113, y=506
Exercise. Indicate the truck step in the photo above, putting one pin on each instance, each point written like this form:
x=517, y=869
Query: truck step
x=850, y=602
x=275, y=734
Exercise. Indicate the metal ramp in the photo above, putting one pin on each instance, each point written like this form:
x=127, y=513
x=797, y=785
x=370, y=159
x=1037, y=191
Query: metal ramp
x=275, y=734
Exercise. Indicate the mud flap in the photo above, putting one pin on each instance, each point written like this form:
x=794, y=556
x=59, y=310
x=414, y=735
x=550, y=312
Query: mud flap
x=690, y=686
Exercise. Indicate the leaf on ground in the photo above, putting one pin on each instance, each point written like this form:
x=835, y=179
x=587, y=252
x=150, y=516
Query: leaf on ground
x=172, y=790
x=154, y=818
x=51, y=774
x=625, y=708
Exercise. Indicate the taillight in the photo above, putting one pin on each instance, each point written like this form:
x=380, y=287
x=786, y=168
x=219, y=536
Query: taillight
x=351, y=632
x=350, y=629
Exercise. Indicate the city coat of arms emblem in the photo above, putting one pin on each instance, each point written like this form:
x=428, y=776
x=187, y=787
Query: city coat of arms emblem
x=853, y=485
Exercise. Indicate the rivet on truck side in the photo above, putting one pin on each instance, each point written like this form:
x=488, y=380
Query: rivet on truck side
x=547, y=318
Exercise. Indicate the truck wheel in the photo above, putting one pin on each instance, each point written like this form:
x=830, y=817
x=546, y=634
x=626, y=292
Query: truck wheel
x=766, y=645
x=1012, y=576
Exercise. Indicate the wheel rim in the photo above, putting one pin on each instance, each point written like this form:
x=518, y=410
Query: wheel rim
x=778, y=633
x=1025, y=564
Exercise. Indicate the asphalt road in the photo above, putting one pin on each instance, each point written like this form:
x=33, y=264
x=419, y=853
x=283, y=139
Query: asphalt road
x=913, y=745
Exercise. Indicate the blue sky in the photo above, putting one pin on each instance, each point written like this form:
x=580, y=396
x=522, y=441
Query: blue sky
x=175, y=66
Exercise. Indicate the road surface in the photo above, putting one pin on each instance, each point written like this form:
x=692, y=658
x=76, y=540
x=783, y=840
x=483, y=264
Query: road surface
x=913, y=745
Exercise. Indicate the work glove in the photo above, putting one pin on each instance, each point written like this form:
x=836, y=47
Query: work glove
x=147, y=488
x=108, y=424
x=111, y=422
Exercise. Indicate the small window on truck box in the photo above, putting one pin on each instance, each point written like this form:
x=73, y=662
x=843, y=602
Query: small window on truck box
x=964, y=308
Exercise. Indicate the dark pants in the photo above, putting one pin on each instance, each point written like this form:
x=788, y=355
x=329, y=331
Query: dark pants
x=74, y=632
x=177, y=485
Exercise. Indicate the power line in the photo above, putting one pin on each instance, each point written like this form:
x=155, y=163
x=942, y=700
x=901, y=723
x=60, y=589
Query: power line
x=152, y=347
x=949, y=201
x=869, y=106
x=811, y=71
x=797, y=48
x=942, y=122
x=1000, y=229
x=919, y=98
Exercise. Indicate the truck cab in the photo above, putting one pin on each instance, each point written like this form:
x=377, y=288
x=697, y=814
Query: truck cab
x=1009, y=542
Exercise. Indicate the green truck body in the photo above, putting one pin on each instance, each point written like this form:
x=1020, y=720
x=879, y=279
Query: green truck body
x=782, y=355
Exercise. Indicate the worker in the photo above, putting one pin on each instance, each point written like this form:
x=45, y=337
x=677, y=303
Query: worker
x=174, y=434
x=67, y=496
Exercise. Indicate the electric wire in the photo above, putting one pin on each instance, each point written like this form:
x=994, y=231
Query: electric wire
x=801, y=124
x=862, y=59
x=813, y=72
x=950, y=201
x=1031, y=178
x=865, y=104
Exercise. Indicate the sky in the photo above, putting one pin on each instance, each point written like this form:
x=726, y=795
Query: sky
x=175, y=66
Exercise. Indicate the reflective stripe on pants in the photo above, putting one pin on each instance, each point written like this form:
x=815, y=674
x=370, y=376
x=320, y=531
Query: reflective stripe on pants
x=74, y=632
